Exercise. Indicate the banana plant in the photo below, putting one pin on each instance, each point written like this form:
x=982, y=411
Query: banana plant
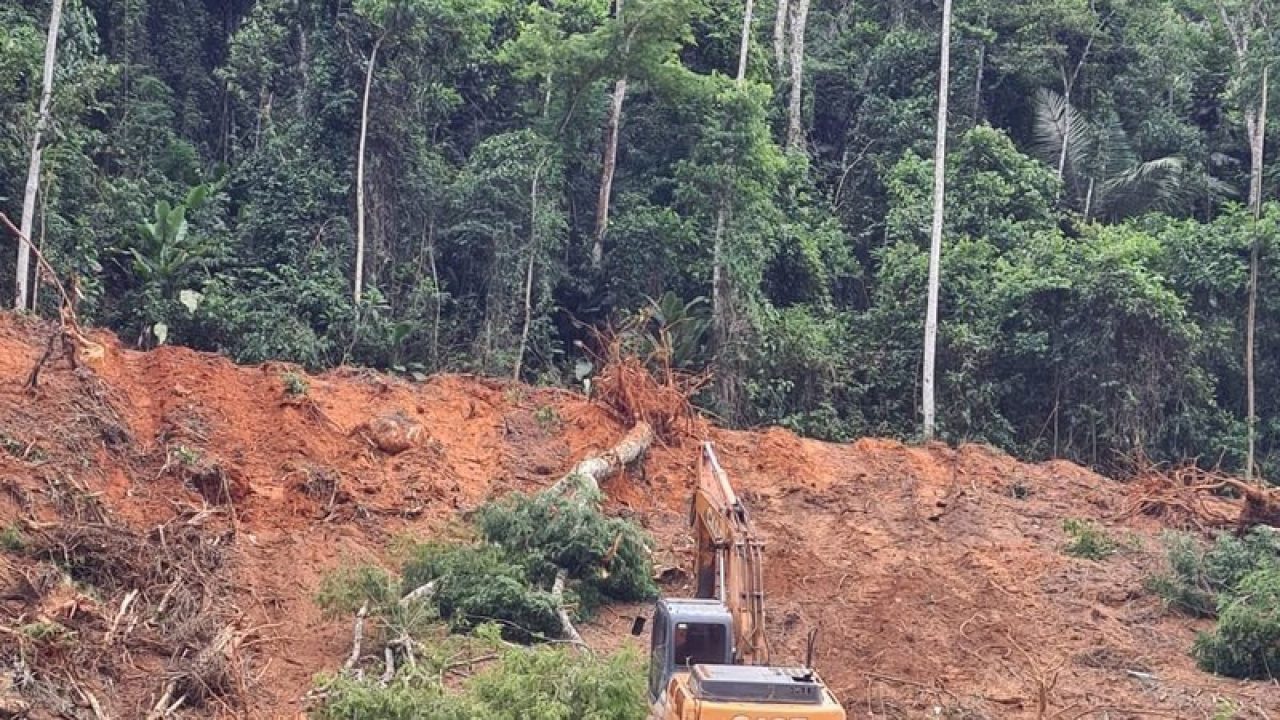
x=677, y=330
x=164, y=249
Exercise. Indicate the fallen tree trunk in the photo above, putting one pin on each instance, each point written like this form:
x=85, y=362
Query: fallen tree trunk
x=424, y=594
x=588, y=473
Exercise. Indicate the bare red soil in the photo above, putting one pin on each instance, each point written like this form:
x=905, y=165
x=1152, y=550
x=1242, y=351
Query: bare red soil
x=935, y=574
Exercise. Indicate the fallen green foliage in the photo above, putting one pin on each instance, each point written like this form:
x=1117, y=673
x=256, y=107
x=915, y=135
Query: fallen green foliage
x=1236, y=579
x=345, y=591
x=608, y=556
x=1246, y=641
x=1196, y=576
x=525, y=541
x=519, y=684
x=483, y=583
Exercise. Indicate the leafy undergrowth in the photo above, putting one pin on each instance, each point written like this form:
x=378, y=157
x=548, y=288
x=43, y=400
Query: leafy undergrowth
x=1236, y=580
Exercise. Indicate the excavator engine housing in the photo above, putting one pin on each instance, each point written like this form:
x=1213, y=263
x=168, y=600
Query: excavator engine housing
x=756, y=684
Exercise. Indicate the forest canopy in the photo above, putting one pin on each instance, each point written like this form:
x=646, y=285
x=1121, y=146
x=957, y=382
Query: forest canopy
x=472, y=185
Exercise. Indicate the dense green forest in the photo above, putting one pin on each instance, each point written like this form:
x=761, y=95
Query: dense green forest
x=506, y=174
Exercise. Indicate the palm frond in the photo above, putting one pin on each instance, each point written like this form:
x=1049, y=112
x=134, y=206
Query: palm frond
x=1158, y=183
x=1053, y=120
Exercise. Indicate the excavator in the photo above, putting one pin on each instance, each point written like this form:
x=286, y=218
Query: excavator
x=709, y=658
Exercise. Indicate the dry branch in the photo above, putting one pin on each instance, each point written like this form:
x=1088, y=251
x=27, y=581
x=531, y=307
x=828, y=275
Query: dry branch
x=124, y=608
x=161, y=708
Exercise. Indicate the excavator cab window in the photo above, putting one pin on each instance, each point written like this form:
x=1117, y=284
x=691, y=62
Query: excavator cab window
x=699, y=643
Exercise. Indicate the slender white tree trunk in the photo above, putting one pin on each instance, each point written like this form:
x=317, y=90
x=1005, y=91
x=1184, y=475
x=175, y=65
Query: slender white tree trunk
x=528, y=280
x=745, y=45
x=799, y=18
x=23, y=270
x=1257, y=126
x=610, y=161
x=935, y=243
x=606, y=175
x=780, y=38
x=358, y=280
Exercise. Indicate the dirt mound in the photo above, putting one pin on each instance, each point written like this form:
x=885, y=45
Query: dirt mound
x=197, y=504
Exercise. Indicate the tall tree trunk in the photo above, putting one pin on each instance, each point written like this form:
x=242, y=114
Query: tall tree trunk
x=780, y=38
x=358, y=280
x=799, y=17
x=980, y=77
x=935, y=243
x=744, y=47
x=23, y=270
x=1257, y=127
x=610, y=161
x=528, y=280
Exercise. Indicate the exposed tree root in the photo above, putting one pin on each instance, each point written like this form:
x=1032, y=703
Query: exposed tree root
x=1178, y=497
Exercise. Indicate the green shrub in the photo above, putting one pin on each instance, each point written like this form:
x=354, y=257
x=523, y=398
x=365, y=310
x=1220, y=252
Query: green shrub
x=1246, y=641
x=1088, y=540
x=295, y=384
x=12, y=540
x=549, y=420
x=1196, y=577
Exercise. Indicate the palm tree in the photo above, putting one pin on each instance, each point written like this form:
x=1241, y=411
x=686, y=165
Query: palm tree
x=1103, y=175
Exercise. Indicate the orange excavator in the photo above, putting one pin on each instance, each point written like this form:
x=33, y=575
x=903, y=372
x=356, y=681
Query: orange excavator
x=709, y=658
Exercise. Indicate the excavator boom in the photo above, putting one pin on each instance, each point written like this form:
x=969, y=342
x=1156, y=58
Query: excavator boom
x=729, y=561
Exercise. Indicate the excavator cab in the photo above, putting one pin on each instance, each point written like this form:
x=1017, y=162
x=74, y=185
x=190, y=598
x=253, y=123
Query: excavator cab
x=687, y=632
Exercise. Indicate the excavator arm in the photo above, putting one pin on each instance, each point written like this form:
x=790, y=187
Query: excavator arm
x=729, y=560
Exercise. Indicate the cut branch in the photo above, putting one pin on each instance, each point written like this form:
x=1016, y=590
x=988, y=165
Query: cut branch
x=566, y=625
x=357, y=638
